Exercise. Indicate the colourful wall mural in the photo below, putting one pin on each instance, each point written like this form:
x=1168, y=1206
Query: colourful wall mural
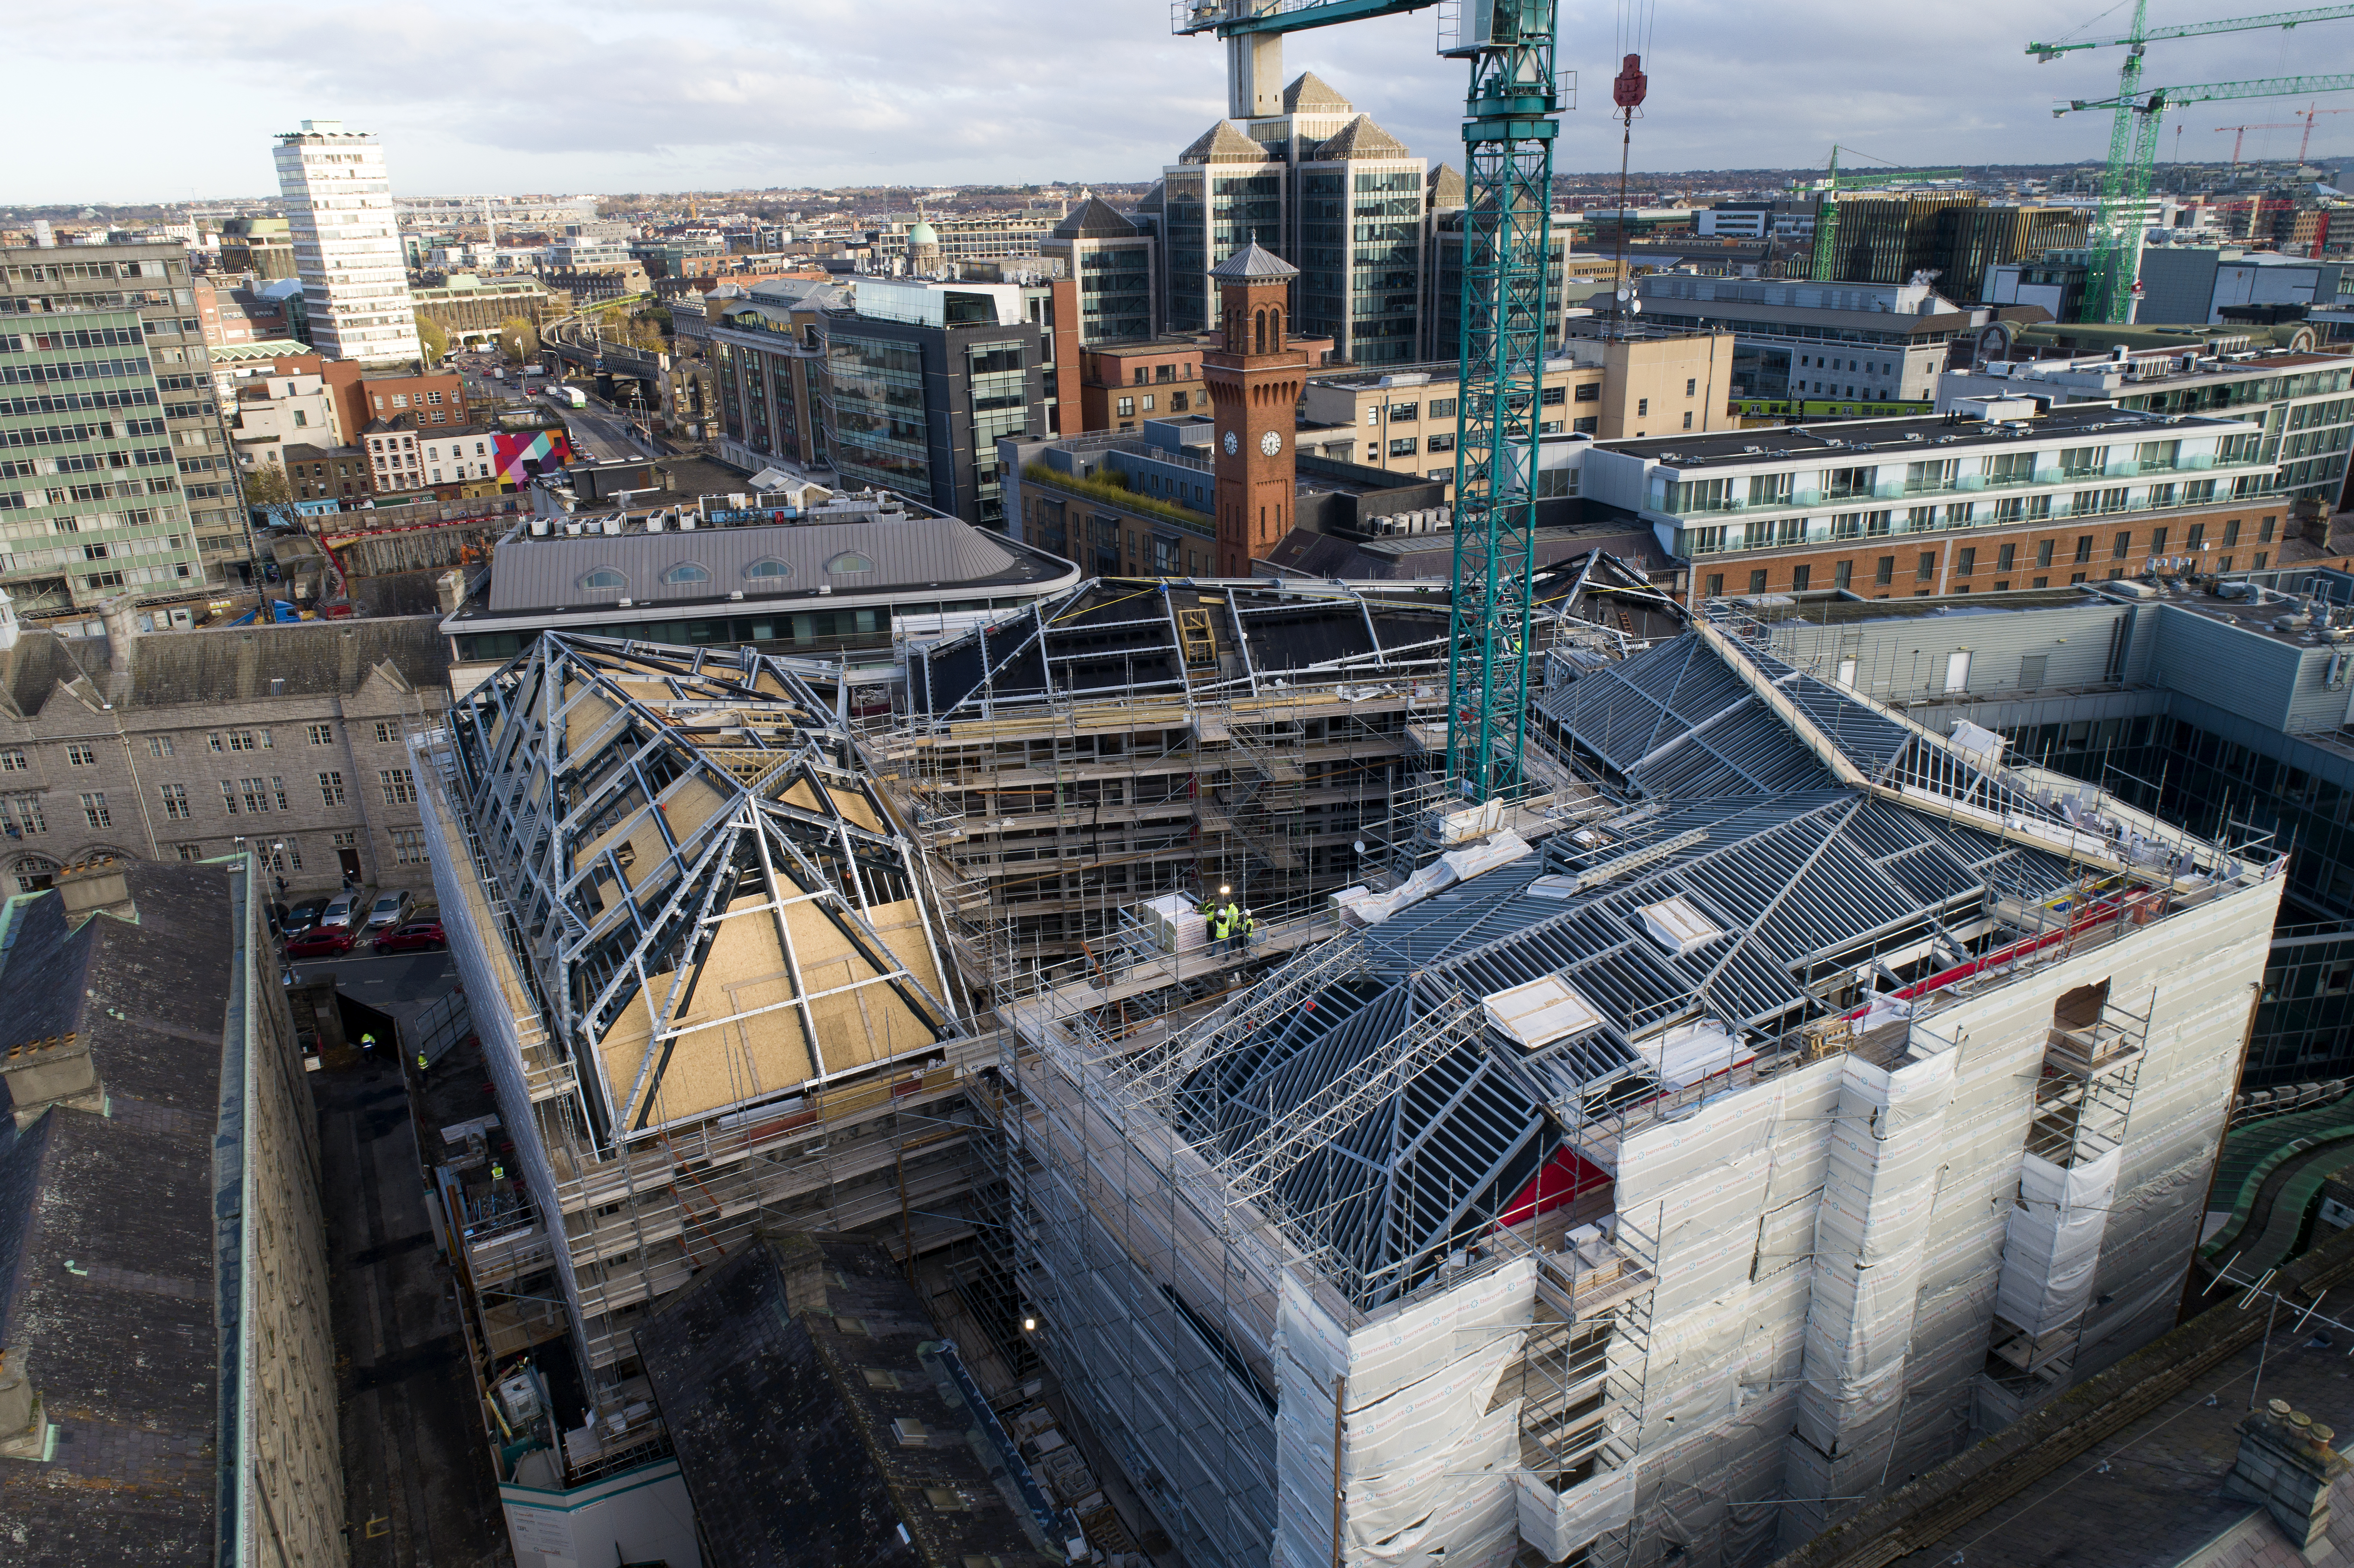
x=522, y=454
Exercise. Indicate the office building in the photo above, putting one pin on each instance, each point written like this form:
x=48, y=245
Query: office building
x=347, y=245
x=1113, y=263
x=169, y=1390
x=118, y=474
x=1990, y=498
x=2298, y=398
x=1834, y=344
x=263, y=247
x=1316, y=181
x=472, y=309
x=1886, y=238
x=1636, y=381
x=2193, y=284
x=769, y=368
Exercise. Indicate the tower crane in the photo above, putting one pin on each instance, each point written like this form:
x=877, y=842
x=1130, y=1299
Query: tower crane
x=1512, y=114
x=2239, y=134
x=2310, y=113
x=2133, y=134
x=1825, y=267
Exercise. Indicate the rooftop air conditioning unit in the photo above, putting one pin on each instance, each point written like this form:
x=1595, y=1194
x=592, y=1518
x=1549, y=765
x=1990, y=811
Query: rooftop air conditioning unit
x=687, y=521
x=654, y=522
x=539, y=527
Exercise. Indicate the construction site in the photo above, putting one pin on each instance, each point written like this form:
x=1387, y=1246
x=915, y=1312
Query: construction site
x=1761, y=1102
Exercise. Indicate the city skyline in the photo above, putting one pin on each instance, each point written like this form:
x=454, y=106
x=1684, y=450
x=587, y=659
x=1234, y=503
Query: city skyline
x=709, y=97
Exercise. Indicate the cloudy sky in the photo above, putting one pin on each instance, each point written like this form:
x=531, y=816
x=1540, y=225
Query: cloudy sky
x=604, y=95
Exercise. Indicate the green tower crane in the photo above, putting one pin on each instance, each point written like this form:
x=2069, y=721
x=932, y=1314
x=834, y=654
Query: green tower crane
x=2116, y=246
x=1511, y=116
x=1825, y=268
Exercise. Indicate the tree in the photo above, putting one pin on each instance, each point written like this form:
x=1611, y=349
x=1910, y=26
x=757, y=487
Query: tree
x=268, y=490
x=434, y=336
x=519, y=337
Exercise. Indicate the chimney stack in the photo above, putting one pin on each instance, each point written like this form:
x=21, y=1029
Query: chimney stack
x=57, y=1070
x=95, y=883
x=2286, y=1464
x=450, y=588
x=121, y=615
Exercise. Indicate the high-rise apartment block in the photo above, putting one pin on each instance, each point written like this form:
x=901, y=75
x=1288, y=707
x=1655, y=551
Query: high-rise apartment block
x=114, y=470
x=346, y=244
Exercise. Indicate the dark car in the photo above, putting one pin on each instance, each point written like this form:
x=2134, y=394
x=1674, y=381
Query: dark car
x=321, y=944
x=415, y=937
x=305, y=915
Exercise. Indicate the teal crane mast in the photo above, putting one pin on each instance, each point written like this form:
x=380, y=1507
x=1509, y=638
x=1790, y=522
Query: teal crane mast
x=1512, y=114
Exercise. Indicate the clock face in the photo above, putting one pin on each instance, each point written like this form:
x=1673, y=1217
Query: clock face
x=1233, y=445
x=1270, y=443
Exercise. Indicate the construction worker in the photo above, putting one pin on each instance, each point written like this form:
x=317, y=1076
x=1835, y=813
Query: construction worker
x=1243, y=932
x=421, y=1065
x=367, y=1045
x=1221, y=924
x=498, y=1172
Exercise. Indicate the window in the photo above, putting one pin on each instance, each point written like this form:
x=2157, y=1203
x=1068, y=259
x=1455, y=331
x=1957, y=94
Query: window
x=2157, y=541
x=2084, y=548
x=1757, y=582
x=1550, y=397
x=2231, y=532
x=1642, y=407
x=385, y=735
x=228, y=796
x=408, y=847
x=1715, y=588
x=81, y=756
x=1587, y=392
x=159, y=746
x=15, y=761
x=1842, y=575
x=190, y=852
x=399, y=790
x=278, y=791
x=176, y=801
x=1799, y=578
x=320, y=734
x=238, y=740
x=93, y=811
x=1402, y=446
x=1691, y=385
x=255, y=793
x=2265, y=532
x=1687, y=419
x=604, y=579
x=331, y=788
x=2198, y=537
x=21, y=815
x=686, y=572
x=767, y=566
x=1927, y=567
x=2043, y=552
x=2123, y=544
x=1441, y=408
x=1965, y=562
x=2004, y=557
x=849, y=561
x=1126, y=406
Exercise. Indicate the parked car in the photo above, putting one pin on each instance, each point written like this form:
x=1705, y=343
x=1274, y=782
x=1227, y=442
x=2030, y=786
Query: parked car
x=321, y=944
x=389, y=910
x=418, y=936
x=337, y=916
x=303, y=917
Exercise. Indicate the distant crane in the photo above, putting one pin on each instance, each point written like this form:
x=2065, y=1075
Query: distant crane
x=2132, y=136
x=2306, y=117
x=1825, y=267
x=1510, y=117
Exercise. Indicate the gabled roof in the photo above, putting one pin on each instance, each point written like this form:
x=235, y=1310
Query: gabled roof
x=1151, y=200
x=1445, y=187
x=1360, y=138
x=229, y=664
x=1309, y=93
x=1094, y=219
x=1221, y=144
x=1254, y=264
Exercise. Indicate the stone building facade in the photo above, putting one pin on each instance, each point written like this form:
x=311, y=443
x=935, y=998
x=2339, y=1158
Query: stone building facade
x=287, y=741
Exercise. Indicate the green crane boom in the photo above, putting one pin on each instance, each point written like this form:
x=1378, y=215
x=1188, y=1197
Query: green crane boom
x=2132, y=136
x=1512, y=114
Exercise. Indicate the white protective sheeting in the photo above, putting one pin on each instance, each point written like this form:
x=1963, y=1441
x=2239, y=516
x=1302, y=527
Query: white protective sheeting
x=1546, y=1009
x=1558, y=1523
x=1425, y=1467
x=1683, y=1056
x=1454, y=866
x=2052, y=1246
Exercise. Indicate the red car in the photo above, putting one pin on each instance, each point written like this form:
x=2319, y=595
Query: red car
x=415, y=935
x=320, y=944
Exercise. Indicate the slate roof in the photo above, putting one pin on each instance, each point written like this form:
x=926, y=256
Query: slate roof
x=775, y=1375
x=1253, y=263
x=1360, y=138
x=107, y=1279
x=229, y=665
x=1094, y=219
x=1221, y=144
x=1310, y=93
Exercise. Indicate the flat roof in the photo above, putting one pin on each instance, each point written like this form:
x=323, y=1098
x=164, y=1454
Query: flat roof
x=1872, y=437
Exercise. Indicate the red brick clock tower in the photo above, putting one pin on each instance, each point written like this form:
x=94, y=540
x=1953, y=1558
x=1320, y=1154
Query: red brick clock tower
x=1254, y=380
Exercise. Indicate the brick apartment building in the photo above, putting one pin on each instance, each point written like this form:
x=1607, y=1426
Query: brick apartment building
x=1900, y=508
x=362, y=397
x=288, y=741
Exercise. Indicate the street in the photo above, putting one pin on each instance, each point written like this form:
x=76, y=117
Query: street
x=598, y=429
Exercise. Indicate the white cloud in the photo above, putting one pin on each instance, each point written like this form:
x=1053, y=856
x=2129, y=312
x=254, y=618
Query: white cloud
x=604, y=95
